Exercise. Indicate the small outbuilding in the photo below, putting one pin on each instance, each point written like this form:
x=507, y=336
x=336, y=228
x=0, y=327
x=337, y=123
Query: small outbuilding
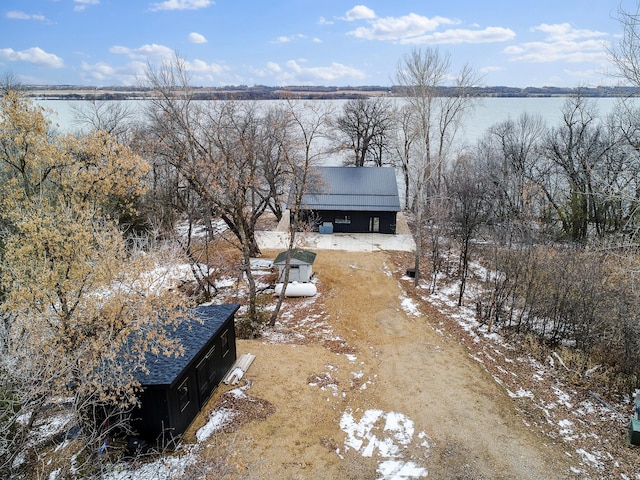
x=176, y=389
x=300, y=265
x=351, y=200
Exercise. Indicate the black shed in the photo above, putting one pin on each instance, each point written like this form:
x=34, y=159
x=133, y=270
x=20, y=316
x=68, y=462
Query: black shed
x=352, y=199
x=176, y=389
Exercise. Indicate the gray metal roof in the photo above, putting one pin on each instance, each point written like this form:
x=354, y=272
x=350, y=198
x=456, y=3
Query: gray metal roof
x=194, y=335
x=353, y=188
x=298, y=257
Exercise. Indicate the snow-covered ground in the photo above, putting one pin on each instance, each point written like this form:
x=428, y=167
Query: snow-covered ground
x=385, y=434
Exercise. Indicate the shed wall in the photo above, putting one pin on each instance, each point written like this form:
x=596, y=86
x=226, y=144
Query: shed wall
x=150, y=421
x=166, y=411
x=297, y=273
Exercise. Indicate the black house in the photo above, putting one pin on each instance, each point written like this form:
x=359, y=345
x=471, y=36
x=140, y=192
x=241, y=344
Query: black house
x=351, y=200
x=176, y=389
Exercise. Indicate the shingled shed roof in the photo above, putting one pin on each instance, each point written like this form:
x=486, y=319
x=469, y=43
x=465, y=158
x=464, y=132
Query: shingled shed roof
x=298, y=256
x=193, y=335
x=353, y=188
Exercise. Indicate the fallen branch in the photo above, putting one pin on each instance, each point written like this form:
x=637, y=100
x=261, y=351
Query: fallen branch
x=607, y=405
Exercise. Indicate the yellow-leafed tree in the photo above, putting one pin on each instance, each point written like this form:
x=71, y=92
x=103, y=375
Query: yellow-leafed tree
x=79, y=310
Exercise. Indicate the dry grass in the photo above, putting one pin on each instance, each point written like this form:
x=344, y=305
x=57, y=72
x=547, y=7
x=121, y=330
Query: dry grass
x=302, y=381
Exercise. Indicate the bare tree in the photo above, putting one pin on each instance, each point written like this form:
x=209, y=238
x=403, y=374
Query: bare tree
x=215, y=147
x=469, y=195
x=626, y=58
x=578, y=149
x=621, y=176
x=403, y=146
x=9, y=82
x=365, y=125
x=436, y=122
x=626, y=55
x=309, y=122
x=115, y=118
x=226, y=153
x=510, y=150
x=276, y=131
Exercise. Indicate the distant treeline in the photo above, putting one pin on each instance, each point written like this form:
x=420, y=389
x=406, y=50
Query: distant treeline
x=261, y=92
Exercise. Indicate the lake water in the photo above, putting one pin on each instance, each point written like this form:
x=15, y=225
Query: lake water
x=488, y=112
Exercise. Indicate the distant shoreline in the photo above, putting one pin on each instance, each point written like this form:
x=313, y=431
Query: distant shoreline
x=73, y=92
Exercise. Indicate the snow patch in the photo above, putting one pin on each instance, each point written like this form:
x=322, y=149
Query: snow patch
x=393, y=469
x=409, y=306
x=218, y=419
x=386, y=434
x=521, y=393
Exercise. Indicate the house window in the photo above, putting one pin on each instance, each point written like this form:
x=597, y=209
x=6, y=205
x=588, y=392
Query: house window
x=183, y=395
x=345, y=219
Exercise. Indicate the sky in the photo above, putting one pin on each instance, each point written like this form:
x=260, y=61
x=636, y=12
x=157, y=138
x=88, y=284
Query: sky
x=516, y=43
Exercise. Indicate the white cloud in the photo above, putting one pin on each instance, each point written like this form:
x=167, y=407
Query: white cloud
x=287, y=39
x=17, y=15
x=197, y=38
x=82, y=4
x=201, y=71
x=294, y=72
x=572, y=52
x=418, y=29
x=562, y=43
x=400, y=28
x=490, y=69
x=200, y=67
x=565, y=32
x=34, y=55
x=360, y=12
x=324, y=21
x=144, y=52
x=282, y=39
x=457, y=36
x=587, y=77
x=181, y=5
x=273, y=67
x=109, y=75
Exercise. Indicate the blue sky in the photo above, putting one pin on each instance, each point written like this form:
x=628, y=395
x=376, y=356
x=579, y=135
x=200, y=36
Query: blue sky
x=515, y=43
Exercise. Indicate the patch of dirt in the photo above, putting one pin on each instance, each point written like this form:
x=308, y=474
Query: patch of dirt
x=353, y=348
x=245, y=409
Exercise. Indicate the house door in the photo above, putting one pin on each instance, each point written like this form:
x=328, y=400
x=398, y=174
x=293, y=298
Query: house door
x=374, y=224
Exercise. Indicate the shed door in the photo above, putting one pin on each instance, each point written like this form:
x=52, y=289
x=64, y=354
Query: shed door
x=206, y=374
x=374, y=224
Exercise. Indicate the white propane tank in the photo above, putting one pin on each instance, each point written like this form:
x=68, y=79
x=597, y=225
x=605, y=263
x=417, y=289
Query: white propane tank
x=296, y=289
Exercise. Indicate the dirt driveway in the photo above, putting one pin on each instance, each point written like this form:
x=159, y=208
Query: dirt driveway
x=360, y=387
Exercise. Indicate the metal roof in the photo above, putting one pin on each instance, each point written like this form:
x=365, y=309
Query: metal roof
x=298, y=257
x=194, y=335
x=353, y=188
